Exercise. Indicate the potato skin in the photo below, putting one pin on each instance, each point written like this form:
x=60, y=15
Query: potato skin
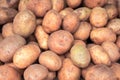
x=42, y=37
x=71, y=22
x=97, y=52
x=98, y=17
x=79, y=42
x=73, y=3
x=60, y=41
x=50, y=60
x=83, y=31
x=24, y=23
x=7, y=30
x=112, y=49
x=51, y=75
x=118, y=41
x=105, y=73
x=39, y=7
x=95, y=3
x=35, y=72
x=51, y=21
x=100, y=35
x=9, y=45
x=69, y=71
x=21, y=57
x=22, y=5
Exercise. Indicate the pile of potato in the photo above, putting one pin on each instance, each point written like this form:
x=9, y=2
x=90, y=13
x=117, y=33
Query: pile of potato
x=59, y=39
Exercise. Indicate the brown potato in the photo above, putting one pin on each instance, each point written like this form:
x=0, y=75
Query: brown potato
x=57, y=5
x=118, y=41
x=7, y=14
x=51, y=21
x=100, y=72
x=83, y=31
x=98, y=17
x=112, y=49
x=97, y=52
x=35, y=72
x=51, y=75
x=39, y=7
x=65, y=12
x=70, y=22
x=116, y=69
x=79, y=42
x=83, y=13
x=8, y=73
x=26, y=55
x=24, y=23
x=69, y=71
x=80, y=56
x=7, y=30
x=100, y=35
x=42, y=37
x=9, y=45
x=73, y=3
x=114, y=24
x=95, y=3
x=113, y=2
x=50, y=60
x=60, y=41
x=22, y=5
x=111, y=11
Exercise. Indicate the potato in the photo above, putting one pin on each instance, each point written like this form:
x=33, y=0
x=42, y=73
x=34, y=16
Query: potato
x=57, y=5
x=9, y=3
x=73, y=3
x=112, y=49
x=98, y=17
x=83, y=13
x=24, y=23
x=26, y=55
x=111, y=11
x=39, y=7
x=70, y=22
x=95, y=3
x=79, y=42
x=60, y=41
x=65, y=12
x=42, y=37
x=51, y=21
x=97, y=52
x=118, y=6
x=7, y=14
x=116, y=69
x=69, y=71
x=22, y=5
x=118, y=41
x=50, y=60
x=51, y=75
x=100, y=72
x=100, y=35
x=114, y=24
x=113, y=2
x=7, y=30
x=83, y=31
x=79, y=55
x=9, y=45
x=8, y=73
x=35, y=72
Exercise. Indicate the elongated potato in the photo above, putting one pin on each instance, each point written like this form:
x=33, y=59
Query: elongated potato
x=100, y=35
x=26, y=55
x=97, y=53
x=112, y=49
x=9, y=45
x=42, y=37
x=24, y=23
x=51, y=21
x=69, y=71
x=50, y=60
x=73, y=3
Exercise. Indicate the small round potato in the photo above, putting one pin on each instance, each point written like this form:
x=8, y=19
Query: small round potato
x=35, y=72
x=83, y=31
x=22, y=5
x=60, y=41
x=73, y=3
x=69, y=71
x=100, y=35
x=79, y=42
x=26, y=55
x=24, y=23
x=50, y=60
x=51, y=21
x=98, y=17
